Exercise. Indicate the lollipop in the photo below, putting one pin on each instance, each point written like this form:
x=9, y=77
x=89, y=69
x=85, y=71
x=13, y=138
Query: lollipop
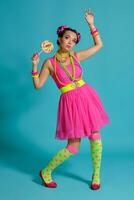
x=46, y=46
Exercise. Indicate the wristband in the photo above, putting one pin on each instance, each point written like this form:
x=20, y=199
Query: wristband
x=35, y=76
x=94, y=31
x=34, y=72
x=97, y=33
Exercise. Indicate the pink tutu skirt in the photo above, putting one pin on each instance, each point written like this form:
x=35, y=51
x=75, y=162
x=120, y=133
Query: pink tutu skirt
x=80, y=112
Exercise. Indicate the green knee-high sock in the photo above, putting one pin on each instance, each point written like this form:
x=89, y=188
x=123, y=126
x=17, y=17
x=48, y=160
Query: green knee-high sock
x=58, y=159
x=96, y=153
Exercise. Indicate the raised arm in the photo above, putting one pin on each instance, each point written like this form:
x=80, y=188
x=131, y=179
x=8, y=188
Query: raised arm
x=84, y=54
x=40, y=80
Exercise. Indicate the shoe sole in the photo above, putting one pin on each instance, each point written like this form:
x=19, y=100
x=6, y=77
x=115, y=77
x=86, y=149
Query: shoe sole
x=44, y=183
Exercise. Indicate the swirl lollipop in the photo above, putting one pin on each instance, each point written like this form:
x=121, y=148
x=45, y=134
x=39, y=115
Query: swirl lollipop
x=46, y=46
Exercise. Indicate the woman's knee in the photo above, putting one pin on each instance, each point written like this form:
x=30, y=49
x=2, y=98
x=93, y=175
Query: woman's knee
x=95, y=135
x=73, y=145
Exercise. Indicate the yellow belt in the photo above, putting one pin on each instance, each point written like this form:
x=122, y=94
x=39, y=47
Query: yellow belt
x=72, y=86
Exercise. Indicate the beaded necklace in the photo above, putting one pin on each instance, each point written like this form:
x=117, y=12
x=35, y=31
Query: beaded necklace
x=72, y=77
x=62, y=58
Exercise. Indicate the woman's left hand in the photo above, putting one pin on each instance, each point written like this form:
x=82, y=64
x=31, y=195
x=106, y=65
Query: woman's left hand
x=89, y=16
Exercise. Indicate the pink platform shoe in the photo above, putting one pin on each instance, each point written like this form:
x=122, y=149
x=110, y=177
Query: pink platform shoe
x=94, y=186
x=50, y=185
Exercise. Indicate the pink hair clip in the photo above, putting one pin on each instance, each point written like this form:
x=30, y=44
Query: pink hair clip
x=62, y=28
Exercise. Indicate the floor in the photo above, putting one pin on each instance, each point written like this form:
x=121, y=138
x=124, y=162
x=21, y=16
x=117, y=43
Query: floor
x=19, y=177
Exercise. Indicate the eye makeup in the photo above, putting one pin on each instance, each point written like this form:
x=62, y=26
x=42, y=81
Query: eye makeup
x=74, y=40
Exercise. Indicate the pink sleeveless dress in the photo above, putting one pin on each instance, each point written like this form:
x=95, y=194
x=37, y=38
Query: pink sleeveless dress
x=80, y=111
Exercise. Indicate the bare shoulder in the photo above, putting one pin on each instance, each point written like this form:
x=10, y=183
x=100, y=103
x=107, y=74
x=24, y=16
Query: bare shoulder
x=47, y=64
x=76, y=54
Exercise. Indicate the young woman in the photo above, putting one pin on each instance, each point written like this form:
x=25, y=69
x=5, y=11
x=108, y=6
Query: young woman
x=80, y=111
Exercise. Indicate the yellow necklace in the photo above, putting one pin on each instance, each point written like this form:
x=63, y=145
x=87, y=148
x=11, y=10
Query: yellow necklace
x=62, y=58
x=72, y=76
x=73, y=66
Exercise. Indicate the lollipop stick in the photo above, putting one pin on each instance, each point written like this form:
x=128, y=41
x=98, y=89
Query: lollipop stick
x=40, y=52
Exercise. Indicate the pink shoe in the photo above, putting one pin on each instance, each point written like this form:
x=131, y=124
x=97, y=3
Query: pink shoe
x=94, y=186
x=51, y=184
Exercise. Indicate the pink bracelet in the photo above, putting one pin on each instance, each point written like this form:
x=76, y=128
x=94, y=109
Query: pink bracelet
x=94, y=31
x=34, y=72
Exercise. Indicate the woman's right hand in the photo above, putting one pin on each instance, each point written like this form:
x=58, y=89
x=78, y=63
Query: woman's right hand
x=35, y=59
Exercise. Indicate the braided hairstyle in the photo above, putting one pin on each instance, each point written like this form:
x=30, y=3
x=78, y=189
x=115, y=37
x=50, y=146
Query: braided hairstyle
x=62, y=29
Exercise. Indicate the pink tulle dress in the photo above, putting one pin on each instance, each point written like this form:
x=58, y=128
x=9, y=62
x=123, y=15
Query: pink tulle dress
x=80, y=111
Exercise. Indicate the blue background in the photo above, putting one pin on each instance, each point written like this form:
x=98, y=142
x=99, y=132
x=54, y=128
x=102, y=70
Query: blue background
x=28, y=116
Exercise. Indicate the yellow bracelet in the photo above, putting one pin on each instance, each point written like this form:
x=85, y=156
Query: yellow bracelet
x=35, y=76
